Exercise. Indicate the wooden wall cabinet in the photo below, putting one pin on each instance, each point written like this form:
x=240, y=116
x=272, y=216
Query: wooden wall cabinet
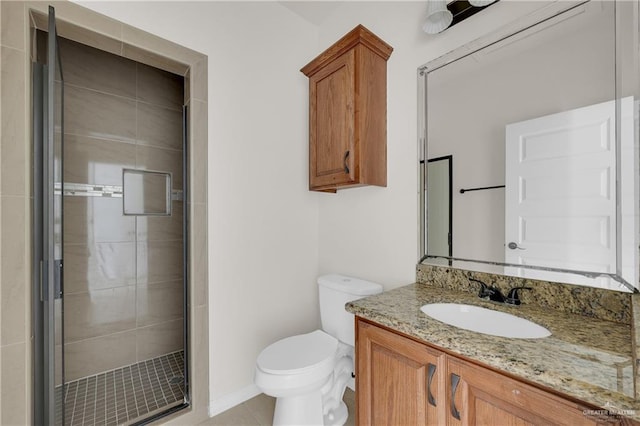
x=402, y=381
x=348, y=113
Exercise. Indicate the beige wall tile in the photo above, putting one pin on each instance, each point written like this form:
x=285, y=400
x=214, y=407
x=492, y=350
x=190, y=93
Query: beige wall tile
x=198, y=251
x=187, y=87
x=89, y=220
x=200, y=89
x=159, y=126
x=99, y=266
x=99, y=312
x=96, y=114
x=159, y=339
x=74, y=21
x=13, y=265
x=198, y=152
x=88, y=37
x=13, y=163
x=160, y=87
x=12, y=25
x=161, y=160
x=96, y=161
x=153, y=59
x=161, y=228
x=143, y=40
x=95, y=69
x=38, y=14
x=160, y=302
x=13, y=395
x=99, y=354
x=159, y=261
x=200, y=358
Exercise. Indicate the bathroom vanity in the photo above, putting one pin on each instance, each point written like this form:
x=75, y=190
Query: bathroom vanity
x=412, y=369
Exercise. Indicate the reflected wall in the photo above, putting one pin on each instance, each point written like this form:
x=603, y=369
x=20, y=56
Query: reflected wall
x=550, y=76
x=565, y=66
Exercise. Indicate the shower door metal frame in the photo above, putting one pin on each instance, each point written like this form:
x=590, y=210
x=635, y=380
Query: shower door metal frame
x=46, y=263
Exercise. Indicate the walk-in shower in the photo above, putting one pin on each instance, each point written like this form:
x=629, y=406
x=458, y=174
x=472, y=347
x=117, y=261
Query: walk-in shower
x=109, y=236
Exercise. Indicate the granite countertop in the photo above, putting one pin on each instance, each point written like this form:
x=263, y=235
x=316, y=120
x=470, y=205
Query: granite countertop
x=586, y=358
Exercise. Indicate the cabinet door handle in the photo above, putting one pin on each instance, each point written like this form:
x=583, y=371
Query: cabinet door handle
x=432, y=371
x=346, y=166
x=455, y=379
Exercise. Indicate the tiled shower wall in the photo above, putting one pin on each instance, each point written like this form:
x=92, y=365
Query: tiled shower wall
x=123, y=274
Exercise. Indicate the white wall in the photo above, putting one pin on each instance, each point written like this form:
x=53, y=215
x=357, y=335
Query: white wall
x=269, y=236
x=373, y=232
x=263, y=222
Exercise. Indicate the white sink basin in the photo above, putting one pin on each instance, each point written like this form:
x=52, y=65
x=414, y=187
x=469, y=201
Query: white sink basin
x=485, y=321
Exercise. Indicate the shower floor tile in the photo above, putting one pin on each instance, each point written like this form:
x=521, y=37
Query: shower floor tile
x=127, y=394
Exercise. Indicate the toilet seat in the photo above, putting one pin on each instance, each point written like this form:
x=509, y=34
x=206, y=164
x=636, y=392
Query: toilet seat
x=303, y=354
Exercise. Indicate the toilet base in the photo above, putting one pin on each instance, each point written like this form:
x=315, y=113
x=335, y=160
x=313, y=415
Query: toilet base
x=299, y=410
x=337, y=417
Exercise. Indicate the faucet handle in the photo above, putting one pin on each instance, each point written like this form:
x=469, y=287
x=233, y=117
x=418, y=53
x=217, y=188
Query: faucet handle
x=513, y=298
x=484, y=289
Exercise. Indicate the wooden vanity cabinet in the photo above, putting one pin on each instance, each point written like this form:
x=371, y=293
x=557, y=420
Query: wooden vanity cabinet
x=393, y=388
x=398, y=380
x=484, y=397
x=348, y=113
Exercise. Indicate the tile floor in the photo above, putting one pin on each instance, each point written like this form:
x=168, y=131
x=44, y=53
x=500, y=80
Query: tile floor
x=123, y=395
x=258, y=411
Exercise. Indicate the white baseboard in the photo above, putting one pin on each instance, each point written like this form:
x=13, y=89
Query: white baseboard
x=230, y=400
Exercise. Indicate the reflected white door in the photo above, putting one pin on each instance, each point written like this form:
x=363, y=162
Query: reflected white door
x=560, y=193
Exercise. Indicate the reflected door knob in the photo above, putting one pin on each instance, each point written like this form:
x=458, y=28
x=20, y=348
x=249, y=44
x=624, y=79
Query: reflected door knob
x=514, y=246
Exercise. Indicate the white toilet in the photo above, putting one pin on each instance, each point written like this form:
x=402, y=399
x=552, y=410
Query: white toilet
x=308, y=373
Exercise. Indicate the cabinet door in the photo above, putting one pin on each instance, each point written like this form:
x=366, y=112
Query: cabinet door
x=478, y=396
x=397, y=379
x=332, y=158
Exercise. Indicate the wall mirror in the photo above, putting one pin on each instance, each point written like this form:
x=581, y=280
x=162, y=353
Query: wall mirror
x=529, y=148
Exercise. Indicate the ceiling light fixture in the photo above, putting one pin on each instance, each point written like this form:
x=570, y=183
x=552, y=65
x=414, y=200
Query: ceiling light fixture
x=441, y=14
x=438, y=17
x=481, y=3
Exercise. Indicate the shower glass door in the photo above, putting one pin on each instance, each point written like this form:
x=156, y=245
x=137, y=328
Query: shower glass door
x=48, y=90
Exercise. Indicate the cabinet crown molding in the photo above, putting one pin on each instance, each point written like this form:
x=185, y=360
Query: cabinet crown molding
x=359, y=35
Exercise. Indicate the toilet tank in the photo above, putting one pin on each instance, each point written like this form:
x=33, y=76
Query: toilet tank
x=335, y=291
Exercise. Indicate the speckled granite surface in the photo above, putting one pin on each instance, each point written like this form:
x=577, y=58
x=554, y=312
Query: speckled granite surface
x=635, y=329
x=587, y=358
x=587, y=301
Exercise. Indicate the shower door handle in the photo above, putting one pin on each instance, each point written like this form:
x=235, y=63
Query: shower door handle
x=57, y=279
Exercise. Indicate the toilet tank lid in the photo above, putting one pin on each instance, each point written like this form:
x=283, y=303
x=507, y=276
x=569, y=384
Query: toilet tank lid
x=350, y=285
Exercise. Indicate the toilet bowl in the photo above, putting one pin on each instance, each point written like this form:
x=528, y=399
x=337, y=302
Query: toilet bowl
x=308, y=373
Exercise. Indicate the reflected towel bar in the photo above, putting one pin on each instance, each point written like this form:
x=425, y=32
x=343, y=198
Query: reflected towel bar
x=462, y=191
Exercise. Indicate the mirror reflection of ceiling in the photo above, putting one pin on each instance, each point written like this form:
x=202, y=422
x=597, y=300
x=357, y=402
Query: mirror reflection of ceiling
x=560, y=65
